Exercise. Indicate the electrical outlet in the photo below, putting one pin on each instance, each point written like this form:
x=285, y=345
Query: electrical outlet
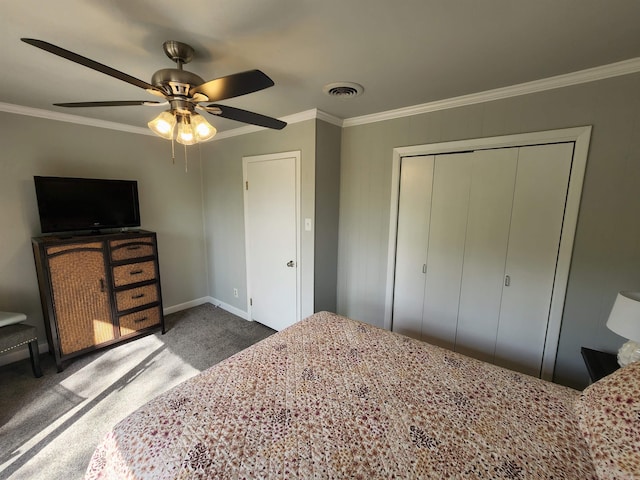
x=235, y=292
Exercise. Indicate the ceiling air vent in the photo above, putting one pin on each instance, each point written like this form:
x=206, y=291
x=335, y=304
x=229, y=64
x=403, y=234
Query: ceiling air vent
x=343, y=89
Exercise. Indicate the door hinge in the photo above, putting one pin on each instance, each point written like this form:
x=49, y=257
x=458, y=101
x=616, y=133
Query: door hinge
x=246, y=185
x=251, y=301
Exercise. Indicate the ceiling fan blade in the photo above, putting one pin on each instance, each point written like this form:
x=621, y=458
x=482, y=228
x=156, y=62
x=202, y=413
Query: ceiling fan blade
x=246, y=117
x=116, y=103
x=234, y=85
x=87, y=62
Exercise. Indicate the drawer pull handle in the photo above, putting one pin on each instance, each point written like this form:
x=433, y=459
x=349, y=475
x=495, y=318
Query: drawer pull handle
x=140, y=320
x=102, y=285
x=136, y=247
x=140, y=295
x=135, y=272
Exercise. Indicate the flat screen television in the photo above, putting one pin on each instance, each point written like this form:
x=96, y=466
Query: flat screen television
x=78, y=204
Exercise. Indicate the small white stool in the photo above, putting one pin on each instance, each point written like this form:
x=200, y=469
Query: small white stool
x=13, y=334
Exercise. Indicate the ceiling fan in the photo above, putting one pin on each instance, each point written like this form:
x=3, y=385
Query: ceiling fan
x=183, y=91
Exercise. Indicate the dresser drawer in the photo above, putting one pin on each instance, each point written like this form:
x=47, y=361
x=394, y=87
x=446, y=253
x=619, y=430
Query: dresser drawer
x=131, y=248
x=71, y=247
x=136, y=297
x=134, y=273
x=137, y=321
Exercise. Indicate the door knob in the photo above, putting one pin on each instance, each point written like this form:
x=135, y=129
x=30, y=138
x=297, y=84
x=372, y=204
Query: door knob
x=290, y=263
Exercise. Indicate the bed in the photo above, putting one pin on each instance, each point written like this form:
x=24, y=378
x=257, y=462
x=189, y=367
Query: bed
x=331, y=397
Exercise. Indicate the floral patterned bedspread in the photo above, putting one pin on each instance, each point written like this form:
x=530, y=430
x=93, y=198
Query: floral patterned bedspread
x=333, y=398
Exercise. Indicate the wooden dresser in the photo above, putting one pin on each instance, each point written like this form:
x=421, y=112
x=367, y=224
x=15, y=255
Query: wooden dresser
x=98, y=290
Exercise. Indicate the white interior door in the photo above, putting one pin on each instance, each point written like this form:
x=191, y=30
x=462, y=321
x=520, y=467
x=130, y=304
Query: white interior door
x=416, y=178
x=271, y=221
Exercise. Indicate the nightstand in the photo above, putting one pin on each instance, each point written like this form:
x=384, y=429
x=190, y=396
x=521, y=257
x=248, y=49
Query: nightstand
x=599, y=364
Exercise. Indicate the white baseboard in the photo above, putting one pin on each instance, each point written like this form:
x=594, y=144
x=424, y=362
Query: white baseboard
x=22, y=353
x=213, y=301
x=183, y=306
x=229, y=308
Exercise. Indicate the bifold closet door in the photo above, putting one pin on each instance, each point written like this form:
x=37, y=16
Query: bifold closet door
x=449, y=211
x=534, y=239
x=477, y=249
x=416, y=177
x=493, y=174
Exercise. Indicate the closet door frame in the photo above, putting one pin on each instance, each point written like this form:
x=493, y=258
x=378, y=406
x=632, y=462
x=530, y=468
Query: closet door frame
x=581, y=137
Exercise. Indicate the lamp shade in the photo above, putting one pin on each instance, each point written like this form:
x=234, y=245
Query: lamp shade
x=203, y=130
x=185, y=134
x=163, y=125
x=624, y=318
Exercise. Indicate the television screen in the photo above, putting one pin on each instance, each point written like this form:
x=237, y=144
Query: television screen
x=71, y=204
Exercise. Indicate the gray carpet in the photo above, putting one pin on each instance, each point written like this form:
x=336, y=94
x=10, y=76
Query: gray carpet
x=50, y=426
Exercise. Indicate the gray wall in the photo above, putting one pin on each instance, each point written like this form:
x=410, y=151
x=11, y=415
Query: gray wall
x=328, y=138
x=224, y=208
x=170, y=202
x=606, y=256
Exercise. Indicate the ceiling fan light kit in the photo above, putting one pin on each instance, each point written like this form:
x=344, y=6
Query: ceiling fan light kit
x=192, y=127
x=183, y=91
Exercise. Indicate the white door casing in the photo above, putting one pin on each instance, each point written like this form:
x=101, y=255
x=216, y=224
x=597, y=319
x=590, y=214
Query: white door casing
x=580, y=137
x=272, y=236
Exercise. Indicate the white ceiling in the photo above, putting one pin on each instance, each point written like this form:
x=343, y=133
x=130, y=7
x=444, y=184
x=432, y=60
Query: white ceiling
x=404, y=52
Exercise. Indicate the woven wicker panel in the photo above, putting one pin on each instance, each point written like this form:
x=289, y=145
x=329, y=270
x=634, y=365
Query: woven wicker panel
x=139, y=320
x=133, y=273
x=131, y=248
x=73, y=246
x=80, y=298
x=136, y=297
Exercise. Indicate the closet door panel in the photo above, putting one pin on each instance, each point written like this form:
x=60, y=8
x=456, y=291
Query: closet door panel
x=536, y=225
x=449, y=210
x=416, y=178
x=490, y=202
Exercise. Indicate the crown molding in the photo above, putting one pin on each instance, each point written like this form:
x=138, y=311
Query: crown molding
x=77, y=119
x=583, y=76
x=313, y=114
x=603, y=72
x=327, y=117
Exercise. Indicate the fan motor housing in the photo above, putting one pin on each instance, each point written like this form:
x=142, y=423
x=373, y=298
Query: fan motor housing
x=181, y=106
x=175, y=81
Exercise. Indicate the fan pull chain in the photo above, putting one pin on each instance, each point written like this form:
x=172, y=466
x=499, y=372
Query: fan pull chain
x=173, y=151
x=186, y=169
